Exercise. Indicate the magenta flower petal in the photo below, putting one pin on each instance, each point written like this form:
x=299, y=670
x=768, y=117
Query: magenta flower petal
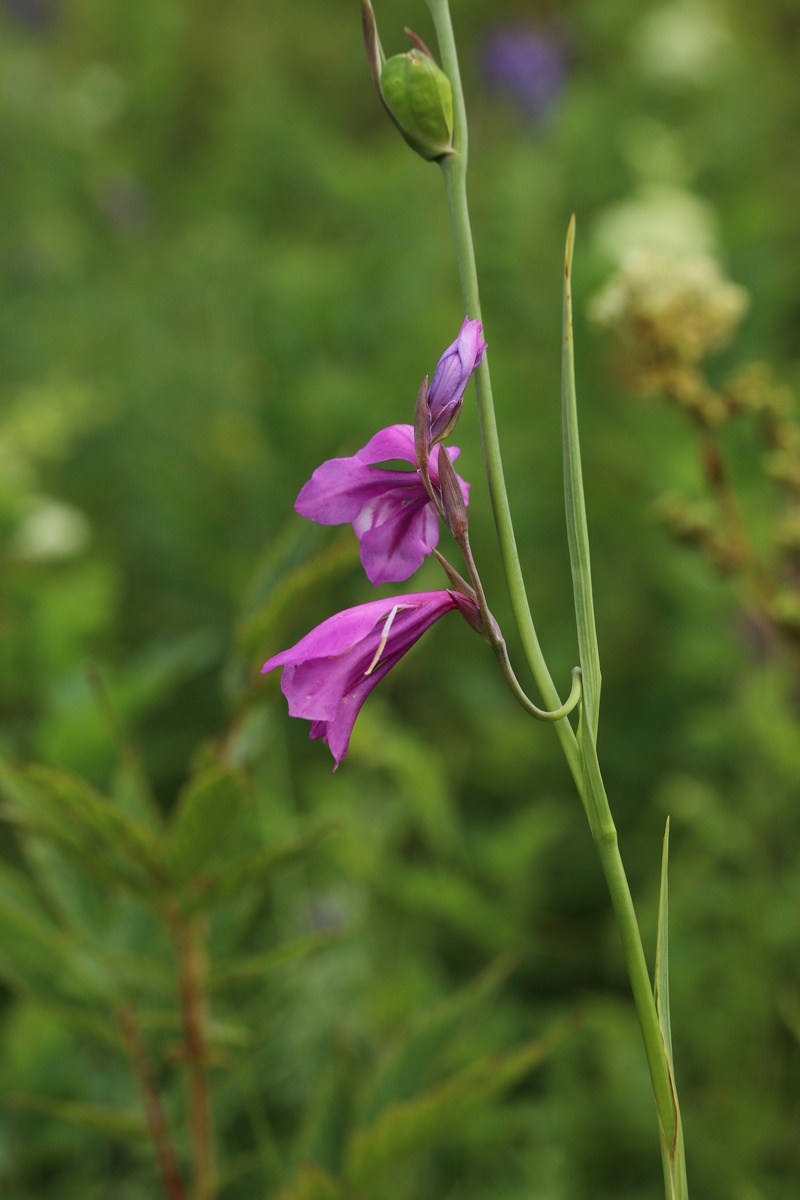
x=329, y=673
x=395, y=538
x=389, y=510
x=395, y=442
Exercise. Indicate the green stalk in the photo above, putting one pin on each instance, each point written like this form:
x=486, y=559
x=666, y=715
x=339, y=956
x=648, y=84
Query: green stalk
x=582, y=758
x=604, y=835
x=595, y=800
x=454, y=170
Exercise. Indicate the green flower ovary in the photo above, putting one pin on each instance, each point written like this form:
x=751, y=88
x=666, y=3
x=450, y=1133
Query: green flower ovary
x=419, y=97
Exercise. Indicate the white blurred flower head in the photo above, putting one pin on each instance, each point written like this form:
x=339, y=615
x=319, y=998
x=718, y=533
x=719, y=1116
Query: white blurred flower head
x=681, y=306
x=51, y=530
x=684, y=42
x=658, y=219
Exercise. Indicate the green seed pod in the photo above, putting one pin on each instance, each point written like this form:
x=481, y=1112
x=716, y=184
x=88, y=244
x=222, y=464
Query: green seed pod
x=419, y=98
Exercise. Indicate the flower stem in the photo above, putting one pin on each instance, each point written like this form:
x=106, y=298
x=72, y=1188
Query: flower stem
x=581, y=757
x=454, y=170
x=604, y=835
x=497, y=642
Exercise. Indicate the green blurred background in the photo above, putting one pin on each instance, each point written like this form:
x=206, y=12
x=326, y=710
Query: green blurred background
x=219, y=265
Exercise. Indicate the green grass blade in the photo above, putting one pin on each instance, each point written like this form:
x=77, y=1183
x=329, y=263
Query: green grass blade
x=120, y=1124
x=577, y=531
x=676, y=1187
x=204, y=820
x=313, y=1183
x=408, y=1127
x=662, y=952
x=412, y=1065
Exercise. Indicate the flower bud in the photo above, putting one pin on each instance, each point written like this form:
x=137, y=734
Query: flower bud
x=418, y=96
x=446, y=392
x=468, y=607
x=455, y=510
x=415, y=92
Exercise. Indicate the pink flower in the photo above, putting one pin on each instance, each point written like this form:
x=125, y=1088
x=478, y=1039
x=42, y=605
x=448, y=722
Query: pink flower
x=390, y=511
x=452, y=374
x=329, y=673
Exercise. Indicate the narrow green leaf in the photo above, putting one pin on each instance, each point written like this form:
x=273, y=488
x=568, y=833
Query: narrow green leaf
x=96, y=1118
x=87, y=1022
x=411, y=1126
x=108, y=871
x=312, y=1183
x=94, y=811
x=36, y=954
x=283, y=584
x=160, y=667
x=33, y=947
x=257, y=965
x=577, y=530
x=675, y=1182
x=248, y=870
x=207, y=812
x=413, y=1064
x=419, y=771
x=131, y=790
x=19, y=898
x=328, y=1117
x=105, y=931
x=661, y=989
x=80, y=905
x=111, y=845
x=444, y=895
x=222, y=1036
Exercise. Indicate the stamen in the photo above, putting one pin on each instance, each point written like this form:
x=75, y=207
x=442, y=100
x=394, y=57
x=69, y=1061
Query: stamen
x=384, y=638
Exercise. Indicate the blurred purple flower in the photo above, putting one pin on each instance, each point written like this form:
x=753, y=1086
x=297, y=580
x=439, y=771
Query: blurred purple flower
x=452, y=374
x=329, y=673
x=526, y=65
x=33, y=14
x=394, y=520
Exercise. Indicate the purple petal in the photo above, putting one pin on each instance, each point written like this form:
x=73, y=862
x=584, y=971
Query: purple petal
x=395, y=539
x=330, y=672
x=339, y=489
x=452, y=374
x=389, y=510
x=335, y=636
x=395, y=442
x=456, y=365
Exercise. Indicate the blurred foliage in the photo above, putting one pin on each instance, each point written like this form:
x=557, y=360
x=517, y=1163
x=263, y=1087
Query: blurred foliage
x=218, y=266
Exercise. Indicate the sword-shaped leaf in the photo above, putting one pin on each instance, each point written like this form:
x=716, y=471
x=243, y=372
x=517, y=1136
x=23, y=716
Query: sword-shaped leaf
x=577, y=531
x=675, y=1184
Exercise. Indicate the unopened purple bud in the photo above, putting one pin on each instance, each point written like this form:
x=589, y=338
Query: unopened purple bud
x=446, y=393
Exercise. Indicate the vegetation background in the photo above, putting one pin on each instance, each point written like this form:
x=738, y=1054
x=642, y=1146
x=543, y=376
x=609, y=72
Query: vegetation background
x=219, y=266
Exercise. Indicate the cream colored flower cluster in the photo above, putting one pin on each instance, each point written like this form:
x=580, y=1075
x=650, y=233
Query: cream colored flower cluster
x=668, y=308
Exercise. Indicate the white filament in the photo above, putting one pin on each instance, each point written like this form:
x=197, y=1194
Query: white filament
x=384, y=638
